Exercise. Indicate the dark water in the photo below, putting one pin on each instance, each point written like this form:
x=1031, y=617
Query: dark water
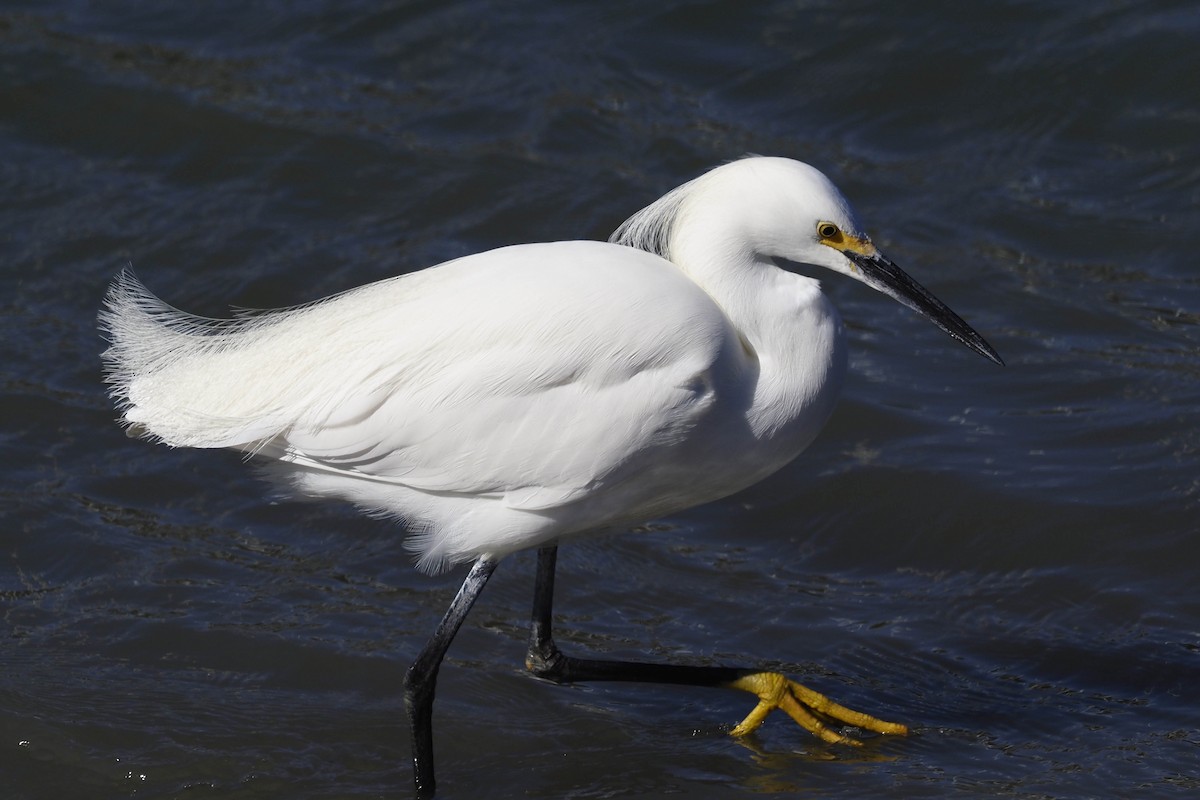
x=1004, y=558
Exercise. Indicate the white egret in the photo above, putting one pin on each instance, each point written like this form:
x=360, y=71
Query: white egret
x=522, y=396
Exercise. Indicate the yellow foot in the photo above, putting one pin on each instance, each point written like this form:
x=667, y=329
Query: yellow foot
x=812, y=711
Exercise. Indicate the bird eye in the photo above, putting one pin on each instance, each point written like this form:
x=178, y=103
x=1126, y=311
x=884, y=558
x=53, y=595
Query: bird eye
x=827, y=230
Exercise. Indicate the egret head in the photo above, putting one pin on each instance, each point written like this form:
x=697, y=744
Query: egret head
x=762, y=209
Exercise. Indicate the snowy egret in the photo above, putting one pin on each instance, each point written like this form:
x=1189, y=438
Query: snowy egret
x=519, y=397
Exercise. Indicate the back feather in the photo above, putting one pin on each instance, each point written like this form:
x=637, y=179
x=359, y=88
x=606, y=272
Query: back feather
x=162, y=367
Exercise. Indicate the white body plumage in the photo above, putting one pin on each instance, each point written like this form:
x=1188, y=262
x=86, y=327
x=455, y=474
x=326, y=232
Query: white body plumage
x=513, y=397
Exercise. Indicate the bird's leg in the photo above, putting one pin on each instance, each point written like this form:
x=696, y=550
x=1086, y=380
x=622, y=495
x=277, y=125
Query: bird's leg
x=811, y=710
x=421, y=679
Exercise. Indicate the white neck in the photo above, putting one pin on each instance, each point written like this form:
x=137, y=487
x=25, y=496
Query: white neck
x=786, y=323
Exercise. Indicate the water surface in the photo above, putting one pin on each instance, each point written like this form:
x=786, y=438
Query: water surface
x=1003, y=558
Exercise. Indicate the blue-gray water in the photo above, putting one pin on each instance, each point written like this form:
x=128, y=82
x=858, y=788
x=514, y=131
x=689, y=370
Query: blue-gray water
x=1005, y=558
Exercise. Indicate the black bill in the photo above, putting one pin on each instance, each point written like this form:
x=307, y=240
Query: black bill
x=888, y=278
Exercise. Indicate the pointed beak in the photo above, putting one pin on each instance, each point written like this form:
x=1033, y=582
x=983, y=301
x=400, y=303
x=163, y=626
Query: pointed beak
x=880, y=273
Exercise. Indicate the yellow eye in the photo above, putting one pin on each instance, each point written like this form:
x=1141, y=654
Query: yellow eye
x=827, y=230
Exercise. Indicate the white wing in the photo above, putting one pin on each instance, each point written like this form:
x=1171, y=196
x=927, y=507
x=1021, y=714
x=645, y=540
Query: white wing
x=531, y=372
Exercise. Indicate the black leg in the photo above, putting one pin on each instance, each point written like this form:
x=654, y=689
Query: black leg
x=811, y=710
x=420, y=681
x=546, y=661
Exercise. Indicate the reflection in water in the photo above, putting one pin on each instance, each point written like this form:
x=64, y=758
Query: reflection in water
x=783, y=771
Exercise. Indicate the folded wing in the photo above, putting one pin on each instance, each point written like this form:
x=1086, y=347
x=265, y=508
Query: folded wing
x=529, y=373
